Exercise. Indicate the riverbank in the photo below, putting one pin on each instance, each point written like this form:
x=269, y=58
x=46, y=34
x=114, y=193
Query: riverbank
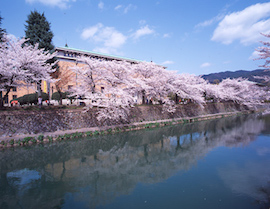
x=47, y=137
x=36, y=126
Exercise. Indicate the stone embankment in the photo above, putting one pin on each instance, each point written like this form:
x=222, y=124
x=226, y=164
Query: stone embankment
x=54, y=123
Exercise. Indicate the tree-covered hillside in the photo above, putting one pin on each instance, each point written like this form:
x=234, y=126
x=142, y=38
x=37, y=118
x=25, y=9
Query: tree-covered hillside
x=218, y=77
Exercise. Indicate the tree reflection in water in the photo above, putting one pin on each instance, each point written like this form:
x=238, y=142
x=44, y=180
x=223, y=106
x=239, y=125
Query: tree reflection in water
x=100, y=169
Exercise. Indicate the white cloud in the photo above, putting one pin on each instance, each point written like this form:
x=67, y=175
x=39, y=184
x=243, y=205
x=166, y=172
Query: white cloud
x=245, y=25
x=210, y=22
x=143, y=31
x=168, y=62
x=118, y=7
x=262, y=151
x=62, y=4
x=166, y=35
x=106, y=50
x=254, y=55
x=91, y=31
x=226, y=62
x=101, y=5
x=108, y=37
x=142, y=22
x=129, y=7
x=206, y=64
x=125, y=9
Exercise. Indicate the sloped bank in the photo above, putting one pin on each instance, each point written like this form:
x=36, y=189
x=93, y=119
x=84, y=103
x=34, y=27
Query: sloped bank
x=19, y=124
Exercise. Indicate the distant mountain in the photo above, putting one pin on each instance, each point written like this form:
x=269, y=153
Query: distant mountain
x=217, y=77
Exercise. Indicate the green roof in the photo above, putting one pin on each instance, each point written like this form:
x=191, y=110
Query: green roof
x=100, y=54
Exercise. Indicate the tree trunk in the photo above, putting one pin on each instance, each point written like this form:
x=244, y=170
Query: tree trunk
x=143, y=97
x=3, y=98
x=60, y=97
x=1, y=101
x=39, y=88
x=176, y=99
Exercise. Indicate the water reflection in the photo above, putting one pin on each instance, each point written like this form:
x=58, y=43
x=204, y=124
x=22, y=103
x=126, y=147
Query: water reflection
x=98, y=170
x=251, y=179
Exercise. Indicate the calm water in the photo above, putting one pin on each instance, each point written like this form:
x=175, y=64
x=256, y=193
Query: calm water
x=222, y=163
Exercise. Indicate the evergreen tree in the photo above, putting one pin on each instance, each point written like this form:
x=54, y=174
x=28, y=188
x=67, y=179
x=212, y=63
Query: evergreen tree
x=2, y=31
x=38, y=31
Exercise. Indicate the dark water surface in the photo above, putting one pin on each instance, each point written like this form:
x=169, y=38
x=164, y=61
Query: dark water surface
x=222, y=163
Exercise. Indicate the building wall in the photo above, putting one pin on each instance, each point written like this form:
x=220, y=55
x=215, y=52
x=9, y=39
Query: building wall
x=19, y=92
x=68, y=78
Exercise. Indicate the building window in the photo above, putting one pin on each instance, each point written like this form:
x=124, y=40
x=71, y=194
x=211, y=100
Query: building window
x=14, y=88
x=102, y=89
x=14, y=96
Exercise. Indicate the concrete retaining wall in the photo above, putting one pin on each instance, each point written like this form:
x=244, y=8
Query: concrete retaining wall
x=22, y=122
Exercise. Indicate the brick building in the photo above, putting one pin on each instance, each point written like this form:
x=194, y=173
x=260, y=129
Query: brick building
x=66, y=59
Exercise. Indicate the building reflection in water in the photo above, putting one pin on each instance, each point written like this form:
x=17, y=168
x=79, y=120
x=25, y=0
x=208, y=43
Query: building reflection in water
x=100, y=169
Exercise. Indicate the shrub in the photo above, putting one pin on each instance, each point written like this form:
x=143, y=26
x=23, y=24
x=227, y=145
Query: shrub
x=26, y=139
x=65, y=95
x=31, y=98
x=76, y=135
x=96, y=133
x=50, y=138
x=67, y=136
x=33, y=140
x=79, y=134
x=89, y=133
x=11, y=142
x=18, y=142
x=60, y=137
x=40, y=138
x=147, y=125
x=56, y=96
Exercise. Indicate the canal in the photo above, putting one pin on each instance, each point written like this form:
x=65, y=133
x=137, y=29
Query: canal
x=222, y=163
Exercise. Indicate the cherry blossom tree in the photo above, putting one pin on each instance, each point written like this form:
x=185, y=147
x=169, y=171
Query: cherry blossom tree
x=158, y=83
x=107, y=85
x=266, y=87
x=240, y=90
x=62, y=76
x=21, y=64
x=152, y=80
x=113, y=86
x=264, y=52
x=265, y=78
x=188, y=86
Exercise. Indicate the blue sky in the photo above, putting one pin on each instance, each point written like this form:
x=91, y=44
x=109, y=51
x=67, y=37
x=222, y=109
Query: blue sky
x=189, y=36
